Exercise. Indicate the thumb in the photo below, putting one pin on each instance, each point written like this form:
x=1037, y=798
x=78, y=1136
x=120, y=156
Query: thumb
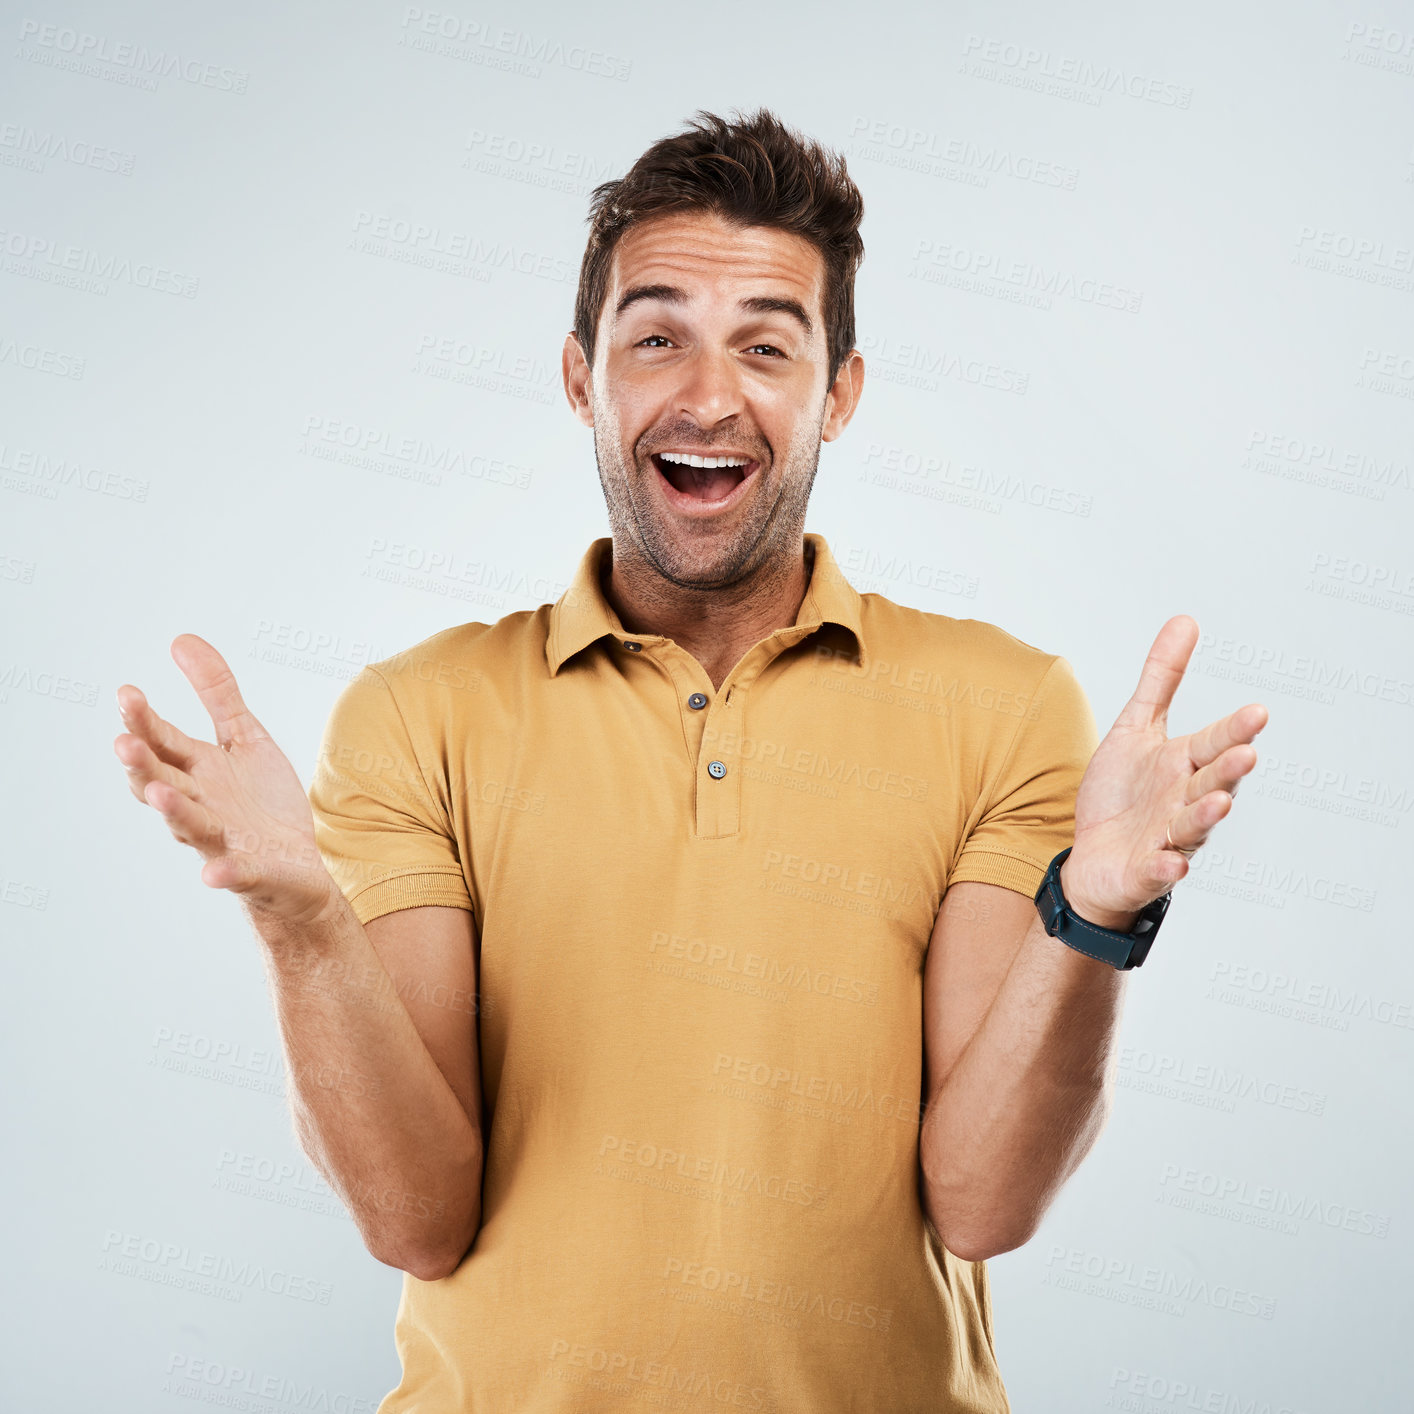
x=215, y=684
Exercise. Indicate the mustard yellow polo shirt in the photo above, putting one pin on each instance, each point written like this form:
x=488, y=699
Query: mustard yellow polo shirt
x=703, y=918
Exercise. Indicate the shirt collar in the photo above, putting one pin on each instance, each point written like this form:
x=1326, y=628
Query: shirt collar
x=582, y=615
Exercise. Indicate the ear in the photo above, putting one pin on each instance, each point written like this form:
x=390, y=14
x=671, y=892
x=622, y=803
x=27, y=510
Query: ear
x=843, y=397
x=575, y=368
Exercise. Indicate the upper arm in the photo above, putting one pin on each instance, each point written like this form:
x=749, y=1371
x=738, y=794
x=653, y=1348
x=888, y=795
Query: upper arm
x=383, y=828
x=431, y=955
x=978, y=932
x=1025, y=818
x=382, y=823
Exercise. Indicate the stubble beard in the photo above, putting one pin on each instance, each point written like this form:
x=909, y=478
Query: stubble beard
x=761, y=540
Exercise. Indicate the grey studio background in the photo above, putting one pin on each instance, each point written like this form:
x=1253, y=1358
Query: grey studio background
x=282, y=294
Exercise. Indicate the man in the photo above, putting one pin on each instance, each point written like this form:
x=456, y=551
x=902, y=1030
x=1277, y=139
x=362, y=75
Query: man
x=662, y=972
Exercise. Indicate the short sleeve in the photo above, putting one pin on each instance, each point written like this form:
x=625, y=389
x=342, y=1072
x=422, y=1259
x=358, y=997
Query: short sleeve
x=1029, y=816
x=376, y=823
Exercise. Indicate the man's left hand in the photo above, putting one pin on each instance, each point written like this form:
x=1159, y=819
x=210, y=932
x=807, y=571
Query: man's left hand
x=1146, y=796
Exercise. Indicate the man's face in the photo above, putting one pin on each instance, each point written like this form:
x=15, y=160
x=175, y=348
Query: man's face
x=711, y=345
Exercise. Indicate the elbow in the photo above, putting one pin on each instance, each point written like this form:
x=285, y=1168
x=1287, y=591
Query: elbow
x=428, y=1255
x=979, y=1245
x=424, y=1264
x=434, y=1266
x=435, y=1242
x=974, y=1230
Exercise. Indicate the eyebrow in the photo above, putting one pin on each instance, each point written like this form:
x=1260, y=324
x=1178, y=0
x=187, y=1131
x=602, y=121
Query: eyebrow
x=757, y=304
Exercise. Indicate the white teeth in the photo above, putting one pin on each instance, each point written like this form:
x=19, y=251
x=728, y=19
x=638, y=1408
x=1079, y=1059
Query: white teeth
x=687, y=459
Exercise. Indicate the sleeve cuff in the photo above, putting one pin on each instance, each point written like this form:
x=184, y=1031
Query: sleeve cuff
x=1003, y=869
x=419, y=888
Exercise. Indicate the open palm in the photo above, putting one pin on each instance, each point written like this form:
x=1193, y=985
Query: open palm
x=1146, y=797
x=239, y=802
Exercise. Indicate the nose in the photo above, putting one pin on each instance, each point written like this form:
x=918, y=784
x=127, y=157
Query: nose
x=711, y=390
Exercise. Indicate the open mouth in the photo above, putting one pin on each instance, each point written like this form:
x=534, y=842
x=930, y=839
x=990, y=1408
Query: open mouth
x=703, y=480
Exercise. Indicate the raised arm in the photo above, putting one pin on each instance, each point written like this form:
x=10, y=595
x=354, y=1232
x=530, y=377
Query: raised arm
x=386, y=1095
x=1019, y=1028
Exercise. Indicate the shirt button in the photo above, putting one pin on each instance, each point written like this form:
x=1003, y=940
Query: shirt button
x=697, y=701
x=716, y=769
x=636, y=647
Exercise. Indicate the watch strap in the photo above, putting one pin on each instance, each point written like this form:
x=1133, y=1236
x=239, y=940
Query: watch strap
x=1121, y=950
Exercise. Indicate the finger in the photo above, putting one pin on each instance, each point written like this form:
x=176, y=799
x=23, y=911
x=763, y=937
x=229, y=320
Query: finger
x=1163, y=671
x=143, y=765
x=236, y=872
x=215, y=683
x=1236, y=728
x=1189, y=828
x=190, y=822
x=167, y=742
x=1225, y=773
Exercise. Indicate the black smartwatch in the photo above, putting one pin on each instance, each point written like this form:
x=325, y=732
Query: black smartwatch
x=1121, y=950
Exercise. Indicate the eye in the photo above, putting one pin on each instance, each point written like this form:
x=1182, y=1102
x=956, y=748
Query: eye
x=770, y=348
x=663, y=341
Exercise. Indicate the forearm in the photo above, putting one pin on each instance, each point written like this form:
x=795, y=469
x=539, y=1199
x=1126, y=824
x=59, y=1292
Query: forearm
x=1025, y=1100
x=371, y=1108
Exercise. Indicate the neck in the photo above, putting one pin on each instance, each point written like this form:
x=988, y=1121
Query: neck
x=717, y=625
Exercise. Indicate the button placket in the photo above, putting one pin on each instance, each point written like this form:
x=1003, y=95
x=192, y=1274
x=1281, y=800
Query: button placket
x=718, y=771
x=718, y=768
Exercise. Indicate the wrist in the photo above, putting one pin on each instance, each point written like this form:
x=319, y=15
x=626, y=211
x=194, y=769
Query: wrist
x=1119, y=920
x=313, y=913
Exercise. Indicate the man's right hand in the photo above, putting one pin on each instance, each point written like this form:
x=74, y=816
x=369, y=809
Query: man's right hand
x=238, y=803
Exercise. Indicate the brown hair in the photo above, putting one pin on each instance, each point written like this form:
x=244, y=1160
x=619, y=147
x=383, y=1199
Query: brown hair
x=754, y=171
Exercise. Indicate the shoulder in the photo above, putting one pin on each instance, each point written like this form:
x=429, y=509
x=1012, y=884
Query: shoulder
x=990, y=682
x=462, y=658
x=896, y=631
